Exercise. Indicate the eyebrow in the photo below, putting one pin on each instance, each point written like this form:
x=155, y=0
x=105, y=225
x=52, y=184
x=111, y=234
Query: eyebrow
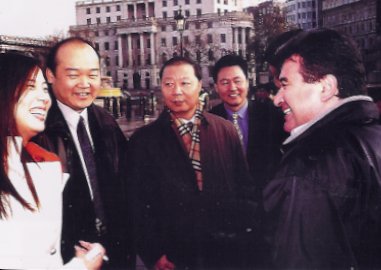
x=77, y=69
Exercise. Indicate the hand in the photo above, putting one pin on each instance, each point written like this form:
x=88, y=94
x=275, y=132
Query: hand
x=91, y=254
x=164, y=264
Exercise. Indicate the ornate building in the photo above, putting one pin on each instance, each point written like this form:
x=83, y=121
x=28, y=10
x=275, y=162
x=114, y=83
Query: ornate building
x=135, y=37
x=35, y=47
x=303, y=14
x=360, y=19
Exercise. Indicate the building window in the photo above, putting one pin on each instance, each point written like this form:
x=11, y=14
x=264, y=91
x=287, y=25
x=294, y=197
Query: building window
x=198, y=56
x=163, y=42
x=198, y=40
x=210, y=25
x=186, y=39
x=225, y=2
x=164, y=14
x=107, y=46
x=108, y=9
x=108, y=19
x=164, y=58
x=174, y=27
x=118, y=18
x=116, y=60
x=118, y=8
x=174, y=41
x=198, y=11
x=197, y=25
x=96, y=46
x=210, y=55
x=96, y=33
x=186, y=2
x=210, y=38
x=187, y=13
x=106, y=32
x=198, y=2
x=223, y=38
x=107, y=61
x=163, y=29
x=88, y=11
x=116, y=46
x=98, y=20
x=98, y=10
x=148, y=61
x=164, y=3
x=88, y=21
x=148, y=43
x=175, y=2
x=218, y=11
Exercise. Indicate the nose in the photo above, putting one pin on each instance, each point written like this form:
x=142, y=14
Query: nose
x=44, y=97
x=232, y=86
x=177, y=89
x=278, y=99
x=84, y=82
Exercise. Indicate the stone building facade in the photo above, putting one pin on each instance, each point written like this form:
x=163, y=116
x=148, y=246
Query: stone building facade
x=34, y=47
x=360, y=19
x=303, y=14
x=135, y=37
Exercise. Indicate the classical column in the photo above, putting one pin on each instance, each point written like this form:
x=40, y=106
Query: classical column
x=135, y=12
x=120, y=51
x=153, y=56
x=146, y=9
x=142, y=56
x=235, y=45
x=129, y=49
x=243, y=38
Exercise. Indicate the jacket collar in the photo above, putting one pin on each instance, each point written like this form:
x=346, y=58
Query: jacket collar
x=355, y=109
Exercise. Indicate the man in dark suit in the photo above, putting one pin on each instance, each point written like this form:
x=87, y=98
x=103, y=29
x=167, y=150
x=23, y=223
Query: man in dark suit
x=91, y=147
x=193, y=200
x=259, y=122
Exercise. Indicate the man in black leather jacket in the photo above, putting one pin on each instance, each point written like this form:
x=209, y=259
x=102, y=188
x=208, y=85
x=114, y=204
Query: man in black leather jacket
x=324, y=204
x=74, y=76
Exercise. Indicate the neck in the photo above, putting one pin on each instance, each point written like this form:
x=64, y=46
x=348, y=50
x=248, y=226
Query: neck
x=237, y=107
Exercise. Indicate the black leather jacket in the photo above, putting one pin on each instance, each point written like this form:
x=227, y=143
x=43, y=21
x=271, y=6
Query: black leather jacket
x=78, y=212
x=325, y=201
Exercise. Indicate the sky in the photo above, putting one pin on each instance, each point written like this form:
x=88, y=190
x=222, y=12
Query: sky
x=36, y=18
x=41, y=18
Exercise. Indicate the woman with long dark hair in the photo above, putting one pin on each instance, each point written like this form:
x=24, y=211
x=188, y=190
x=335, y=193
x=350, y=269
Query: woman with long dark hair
x=31, y=178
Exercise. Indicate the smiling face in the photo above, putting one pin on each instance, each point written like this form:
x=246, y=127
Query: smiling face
x=32, y=107
x=180, y=88
x=232, y=87
x=76, y=80
x=300, y=101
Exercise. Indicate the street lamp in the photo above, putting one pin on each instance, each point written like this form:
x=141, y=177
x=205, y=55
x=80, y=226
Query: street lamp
x=180, y=23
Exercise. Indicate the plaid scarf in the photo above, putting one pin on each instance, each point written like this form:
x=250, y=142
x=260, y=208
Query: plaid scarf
x=191, y=140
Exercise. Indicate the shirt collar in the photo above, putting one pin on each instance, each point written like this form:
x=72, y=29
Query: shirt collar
x=71, y=116
x=296, y=132
x=242, y=112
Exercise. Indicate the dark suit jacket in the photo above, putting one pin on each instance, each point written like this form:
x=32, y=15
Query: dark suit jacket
x=265, y=138
x=78, y=210
x=194, y=229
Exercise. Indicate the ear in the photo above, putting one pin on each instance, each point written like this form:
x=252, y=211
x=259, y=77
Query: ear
x=50, y=75
x=329, y=84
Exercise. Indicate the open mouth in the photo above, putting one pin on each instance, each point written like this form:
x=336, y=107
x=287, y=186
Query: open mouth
x=287, y=111
x=83, y=94
x=39, y=113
